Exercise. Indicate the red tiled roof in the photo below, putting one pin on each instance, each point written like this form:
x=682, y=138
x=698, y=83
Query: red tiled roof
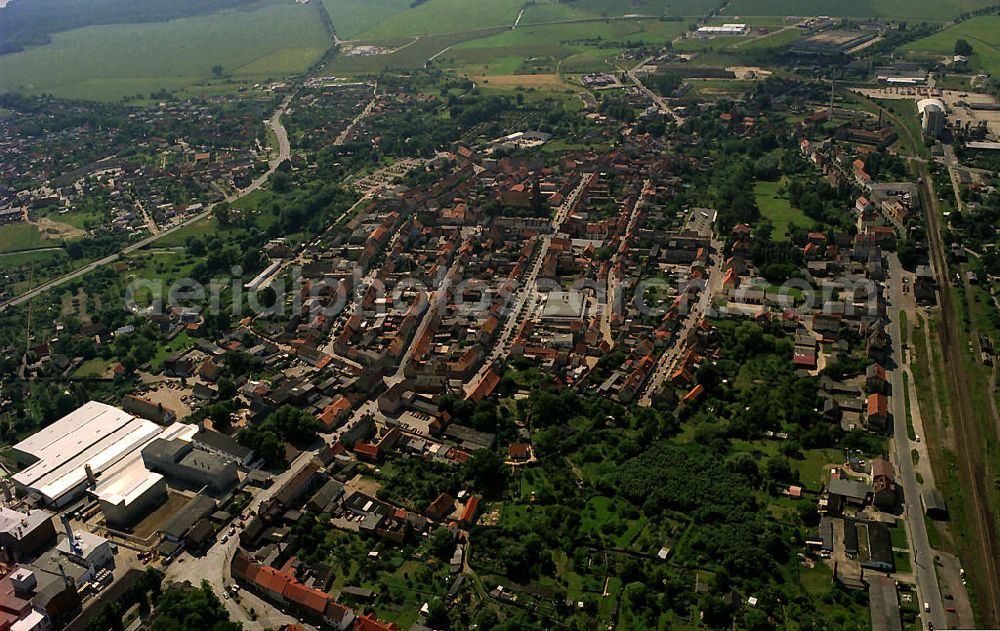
x=272, y=580
x=335, y=611
x=470, y=511
x=306, y=597
x=369, y=622
x=441, y=506
x=519, y=451
x=367, y=449
x=694, y=393
x=878, y=404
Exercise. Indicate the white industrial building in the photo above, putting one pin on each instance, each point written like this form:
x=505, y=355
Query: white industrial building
x=98, y=449
x=932, y=116
x=725, y=29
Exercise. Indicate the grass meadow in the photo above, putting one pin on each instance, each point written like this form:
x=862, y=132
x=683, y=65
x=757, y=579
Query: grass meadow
x=912, y=10
x=109, y=62
x=776, y=207
x=351, y=18
x=983, y=33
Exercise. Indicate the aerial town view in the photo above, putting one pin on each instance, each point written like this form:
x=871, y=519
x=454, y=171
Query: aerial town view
x=410, y=315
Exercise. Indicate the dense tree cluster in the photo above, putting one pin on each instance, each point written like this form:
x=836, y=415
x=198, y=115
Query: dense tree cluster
x=287, y=424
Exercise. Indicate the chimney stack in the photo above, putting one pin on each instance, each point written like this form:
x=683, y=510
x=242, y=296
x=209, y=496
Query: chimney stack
x=91, y=478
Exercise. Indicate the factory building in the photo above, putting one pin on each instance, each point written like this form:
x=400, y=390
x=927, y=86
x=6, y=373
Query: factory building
x=725, y=29
x=932, y=116
x=98, y=449
x=179, y=459
x=24, y=535
x=63, y=460
x=222, y=445
x=85, y=549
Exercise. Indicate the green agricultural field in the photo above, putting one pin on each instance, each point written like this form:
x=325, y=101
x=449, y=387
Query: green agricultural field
x=603, y=8
x=353, y=17
x=776, y=207
x=912, y=10
x=777, y=38
x=446, y=16
x=12, y=260
x=110, y=62
x=23, y=236
x=550, y=47
x=416, y=53
x=983, y=33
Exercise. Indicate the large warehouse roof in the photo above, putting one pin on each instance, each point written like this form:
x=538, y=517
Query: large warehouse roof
x=101, y=436
x=91, y=422
x=129, y=479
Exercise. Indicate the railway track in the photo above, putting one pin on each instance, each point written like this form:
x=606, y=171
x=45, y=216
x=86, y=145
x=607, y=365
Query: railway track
x=969, y=443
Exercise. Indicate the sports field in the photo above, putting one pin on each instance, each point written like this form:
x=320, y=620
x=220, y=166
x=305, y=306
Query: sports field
x=110, y=62
x=983, y=33
x=912, y=10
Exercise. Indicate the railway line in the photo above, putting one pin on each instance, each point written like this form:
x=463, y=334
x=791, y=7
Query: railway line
x=968, y=441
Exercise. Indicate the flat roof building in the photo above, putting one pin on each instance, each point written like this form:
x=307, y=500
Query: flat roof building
x=25, y=534
x=724, y=29
x=179, y=459
x=564, y=305
x=222, y=445
x=884, y=604
x=62, y=460
x=96, y=449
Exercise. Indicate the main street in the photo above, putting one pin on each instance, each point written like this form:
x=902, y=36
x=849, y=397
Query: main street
x=668, y=360
x=526, y=294
x=284, y=150
x=660, y=102
x=968, y=440
x=923, y=555
x=344, y=135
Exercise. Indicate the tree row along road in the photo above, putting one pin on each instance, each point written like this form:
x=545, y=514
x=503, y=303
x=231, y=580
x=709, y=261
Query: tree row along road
x=284, y=150
x=972, y=467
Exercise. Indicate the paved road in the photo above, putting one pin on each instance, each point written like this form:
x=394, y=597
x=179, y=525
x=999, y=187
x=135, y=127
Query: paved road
x=611, y=302
x=668, y=361
x=968, y=439
x=284, y=150
x=527, y=292
x=922, y=558
x=344, y=135
x=656, y=98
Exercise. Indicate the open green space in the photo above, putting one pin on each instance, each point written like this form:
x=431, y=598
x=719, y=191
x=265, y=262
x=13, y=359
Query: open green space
x=353, y=17
x=10, y=260
x=414, y=55
x=899, y=9
x=983, y=33
x=446, y=16
x=550, y=10
x=96, y=367
x=898, y=535
x=111, y=62
x=902, y=560
x=23, y=236
x=565, y=48
x=774, y=205
x=810, y=468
